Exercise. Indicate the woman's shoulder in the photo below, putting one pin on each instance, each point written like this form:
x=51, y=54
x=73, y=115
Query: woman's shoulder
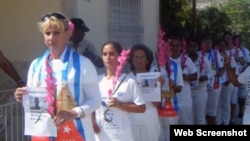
x=127, y=77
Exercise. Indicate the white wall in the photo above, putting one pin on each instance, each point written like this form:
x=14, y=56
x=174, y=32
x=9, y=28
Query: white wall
x=151, y=22
x=94, y=13
x=97, y=21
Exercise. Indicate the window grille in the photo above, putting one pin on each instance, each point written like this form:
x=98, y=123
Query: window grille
x=125, y=22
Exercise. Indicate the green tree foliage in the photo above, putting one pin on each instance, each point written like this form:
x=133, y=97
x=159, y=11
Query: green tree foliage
x=212, y=21
x=174, y=16
x=239, y=13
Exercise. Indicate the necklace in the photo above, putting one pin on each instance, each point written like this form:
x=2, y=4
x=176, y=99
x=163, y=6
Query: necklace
x=51, y=88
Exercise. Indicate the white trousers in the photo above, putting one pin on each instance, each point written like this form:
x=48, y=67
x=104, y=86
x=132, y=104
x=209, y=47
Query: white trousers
x=224, y=105
x=212, y=101
x=199, y=106
x=165, y=127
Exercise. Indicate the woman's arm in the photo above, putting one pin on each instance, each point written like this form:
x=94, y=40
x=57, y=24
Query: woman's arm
x=129, y=107
x=94, y=124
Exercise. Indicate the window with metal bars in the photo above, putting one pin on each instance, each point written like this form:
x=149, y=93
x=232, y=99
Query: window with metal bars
x=125, y=22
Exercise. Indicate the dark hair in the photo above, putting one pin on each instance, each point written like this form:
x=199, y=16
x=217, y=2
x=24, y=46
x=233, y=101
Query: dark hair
x=116, y=45
x=237, y=36
x=227, y=33
x=193, y=39
x=54, y=14
x=222, y=40
x=176, y=38
x=148, y=52
x=207, y=36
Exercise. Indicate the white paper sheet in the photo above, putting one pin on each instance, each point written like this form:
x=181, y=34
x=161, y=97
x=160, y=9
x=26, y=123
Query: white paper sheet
x=38, y=121
x=150, y=87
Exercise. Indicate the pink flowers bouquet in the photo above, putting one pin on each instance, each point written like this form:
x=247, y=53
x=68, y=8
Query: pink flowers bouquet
x=163, y=54
x=122, y=59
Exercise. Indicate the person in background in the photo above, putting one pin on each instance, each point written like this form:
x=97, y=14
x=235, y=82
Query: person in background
x=145, y=126
x=241, y=79
x=9, y=69
x=214, y=84
x=242, y=89
x=75, y=76
x=227, y=88
x=82, y=45
x=120, y=94
x=189, y=73
x=235, y=52
x=168, y=107
x=199, y=86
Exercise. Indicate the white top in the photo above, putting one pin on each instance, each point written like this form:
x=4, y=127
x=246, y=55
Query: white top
x=215, y=59
x=149, y=116
x=86, y=45
x=184, y=97
x=207, y=70
x=89, y=97
x=245, y=54
x=244, y=78
x=235, y=53
x=119, y=127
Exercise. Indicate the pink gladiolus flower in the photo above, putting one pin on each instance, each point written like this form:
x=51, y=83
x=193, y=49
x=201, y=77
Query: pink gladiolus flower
x=122, y=59
x=110, y=93
x=163, y=54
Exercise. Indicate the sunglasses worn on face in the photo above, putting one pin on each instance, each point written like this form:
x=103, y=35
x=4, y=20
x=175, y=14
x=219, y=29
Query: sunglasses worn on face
x=57, y=15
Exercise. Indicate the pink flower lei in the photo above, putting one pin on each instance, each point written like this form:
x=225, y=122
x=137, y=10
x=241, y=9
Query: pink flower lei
x=203, y=52
x=122, y=59
x=51, y=88
x=215, y=54
x=237, y=46
x=183, y=55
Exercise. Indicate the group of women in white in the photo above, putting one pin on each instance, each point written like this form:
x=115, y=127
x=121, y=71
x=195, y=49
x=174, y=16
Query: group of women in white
x=111, y=107
x=202, y=93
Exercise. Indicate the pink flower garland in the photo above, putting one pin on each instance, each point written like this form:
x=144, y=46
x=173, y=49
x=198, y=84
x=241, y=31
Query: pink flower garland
x=237, y=46
x=203, y=52
x=237, y=42
x=51, y=87
x=183, y=55
x=122, y=59
x=215, y=55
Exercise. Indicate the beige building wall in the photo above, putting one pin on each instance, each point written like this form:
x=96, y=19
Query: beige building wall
x=21, y=42
x=20, y=39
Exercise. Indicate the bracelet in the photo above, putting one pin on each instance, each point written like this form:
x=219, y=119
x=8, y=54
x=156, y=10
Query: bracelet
x=82, y=115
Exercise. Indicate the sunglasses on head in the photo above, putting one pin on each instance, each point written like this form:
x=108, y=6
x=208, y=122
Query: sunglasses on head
x=57, y=15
